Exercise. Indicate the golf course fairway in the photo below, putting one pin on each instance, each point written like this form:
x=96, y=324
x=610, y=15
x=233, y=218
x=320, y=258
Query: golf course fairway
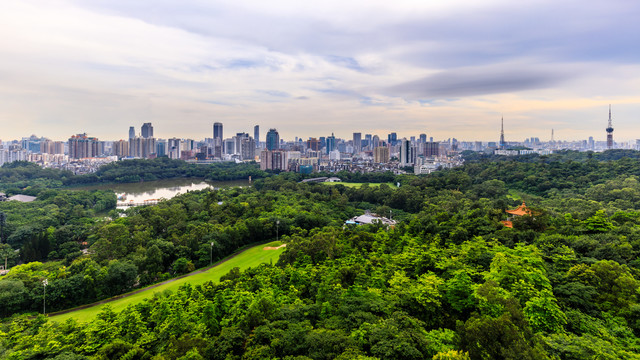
x=250, y=257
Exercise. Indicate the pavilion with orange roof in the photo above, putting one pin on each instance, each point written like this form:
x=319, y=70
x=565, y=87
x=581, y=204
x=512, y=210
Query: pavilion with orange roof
x=519, y=211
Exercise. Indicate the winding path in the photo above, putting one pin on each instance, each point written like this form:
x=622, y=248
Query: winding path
x=150, y=287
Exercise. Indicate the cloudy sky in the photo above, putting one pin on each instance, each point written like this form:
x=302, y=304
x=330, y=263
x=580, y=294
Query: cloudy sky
x=308, y=68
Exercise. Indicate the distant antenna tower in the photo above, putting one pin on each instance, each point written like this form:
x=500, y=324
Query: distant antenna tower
x=610, y=131
x=502, y=144
x=552, y=135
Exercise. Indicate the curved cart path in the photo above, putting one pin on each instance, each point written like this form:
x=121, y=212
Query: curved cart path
x=150, y=287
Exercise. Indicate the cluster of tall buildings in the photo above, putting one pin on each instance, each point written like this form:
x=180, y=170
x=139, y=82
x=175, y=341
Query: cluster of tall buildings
x=361, y=152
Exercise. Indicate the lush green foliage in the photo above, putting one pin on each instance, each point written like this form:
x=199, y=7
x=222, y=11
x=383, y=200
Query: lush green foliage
x=448, y=282
x=28, y=178
x=164, y=168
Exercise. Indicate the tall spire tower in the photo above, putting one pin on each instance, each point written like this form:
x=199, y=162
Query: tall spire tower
x=610, y=131
x=502, y=144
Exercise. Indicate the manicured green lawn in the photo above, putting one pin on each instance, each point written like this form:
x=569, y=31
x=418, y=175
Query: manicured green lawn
x=249, y=258
x=357, y=185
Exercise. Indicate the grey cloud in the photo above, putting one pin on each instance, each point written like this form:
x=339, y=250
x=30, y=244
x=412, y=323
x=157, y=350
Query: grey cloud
x=479, y=81
x=565, y=30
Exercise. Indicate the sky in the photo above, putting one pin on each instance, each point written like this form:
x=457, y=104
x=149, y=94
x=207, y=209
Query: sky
x=311, y=68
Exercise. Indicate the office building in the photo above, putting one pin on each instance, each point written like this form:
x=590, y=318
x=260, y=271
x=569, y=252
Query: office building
x=147, y=130
x=245, y=146
x=357, y=142
x=405, y=152
x=256, y=135
x=313, y=144
x=217, y=131
x=392, y=138
x=331, y=143
x=375, y=141
x=132, y=132
x=273, y=140
x=173, y=148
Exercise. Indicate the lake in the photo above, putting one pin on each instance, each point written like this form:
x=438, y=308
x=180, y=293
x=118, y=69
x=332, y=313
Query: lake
x=149, y=192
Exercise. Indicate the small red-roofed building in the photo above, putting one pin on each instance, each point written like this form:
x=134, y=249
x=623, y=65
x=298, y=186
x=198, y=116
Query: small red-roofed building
x=519, y=211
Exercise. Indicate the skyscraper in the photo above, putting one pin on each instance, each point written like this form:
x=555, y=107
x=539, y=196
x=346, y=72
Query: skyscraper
x=331, y=143
x=132, y=132
x=217, y=131
x=147, y=130
x=610, y=131
x=375, y=141
x=273, y=139
x=357, y=142
x=405, y=152
x=392, y=138
x=256, y=135
x=423, y=138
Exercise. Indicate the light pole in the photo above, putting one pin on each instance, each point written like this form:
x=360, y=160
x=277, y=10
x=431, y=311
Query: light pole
x=277, y=230
x=3, y=219
x=211, y=254
x=45, y=282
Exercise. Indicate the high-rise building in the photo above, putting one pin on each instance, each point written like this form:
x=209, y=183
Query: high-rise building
x=51, y=147
x=313, y=144
x=432, y=149
x=273, y=160
x=132, y=132
x=375, y=141
x=141, y=147
x=120, y=148
x=147, y=130
x=610, y=131
x=392, y=138
x=331, y=143
x=423, y=138
x=256, y=135
x=405, y=152
x=217, y=131
x=357, y=142
x=173, y=148
x=161, y=147
x=245, y=146
x=273, y=140
x=83, y=146
x=381, y=155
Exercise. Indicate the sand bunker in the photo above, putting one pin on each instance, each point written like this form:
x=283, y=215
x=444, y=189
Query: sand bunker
x=274, y=248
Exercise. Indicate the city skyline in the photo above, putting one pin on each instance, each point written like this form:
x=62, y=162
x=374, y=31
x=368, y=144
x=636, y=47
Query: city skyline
x=307, y=69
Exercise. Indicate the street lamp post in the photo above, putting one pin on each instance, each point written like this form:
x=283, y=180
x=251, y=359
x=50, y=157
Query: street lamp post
x=3, y=219
x=45, y=282
x=211, y=254
x=277, y=230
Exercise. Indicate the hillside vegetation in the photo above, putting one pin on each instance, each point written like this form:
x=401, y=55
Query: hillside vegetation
x=448, y=282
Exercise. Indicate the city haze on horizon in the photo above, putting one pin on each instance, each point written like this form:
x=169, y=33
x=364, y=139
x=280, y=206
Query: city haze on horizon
x=445, y=69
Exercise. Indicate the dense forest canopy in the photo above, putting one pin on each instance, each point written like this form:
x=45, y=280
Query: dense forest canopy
x=450, y=281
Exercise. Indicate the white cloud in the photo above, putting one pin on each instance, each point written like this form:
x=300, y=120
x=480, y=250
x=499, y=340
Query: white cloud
x=447, y=68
